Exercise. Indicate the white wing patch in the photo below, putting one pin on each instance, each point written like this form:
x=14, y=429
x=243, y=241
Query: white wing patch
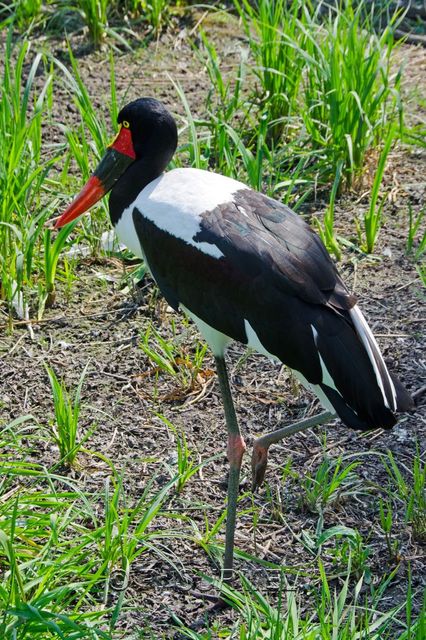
x=176, y=200
x=216, y=340
x=326, y=376
x=254, y=342
x=369, y=342
x=126, y=233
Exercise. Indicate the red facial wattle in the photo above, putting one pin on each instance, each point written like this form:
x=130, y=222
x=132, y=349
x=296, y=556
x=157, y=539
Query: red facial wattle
x=123, y=143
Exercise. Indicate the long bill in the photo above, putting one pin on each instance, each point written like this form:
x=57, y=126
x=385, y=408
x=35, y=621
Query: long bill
x=119, y=155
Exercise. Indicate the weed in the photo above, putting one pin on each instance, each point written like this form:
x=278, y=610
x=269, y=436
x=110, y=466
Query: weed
x=197, y=159
x=95, y=16
x=350, y=551
x=331, y=482
x=351, y=97
x=327, y=231
x=224, y=98
x=26, y=13
x=154, y=12
x=66, y=555
x=52, y=251
x=412, y=494
x=170, y=357
x=67, y=412
x=186, y=467
x=338, y=613
x=417, y=247
x=87, y=142
x=22, y=168
x=386, y=522
x=204, y=538
x=421, y=270
x=372, y=219
x=276, y=36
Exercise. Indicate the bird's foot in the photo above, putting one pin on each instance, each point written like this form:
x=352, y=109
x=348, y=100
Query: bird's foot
x=259, y=461
x=219, y=604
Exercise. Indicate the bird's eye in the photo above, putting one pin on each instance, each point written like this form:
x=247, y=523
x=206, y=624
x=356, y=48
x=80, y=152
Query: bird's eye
x=125, y=124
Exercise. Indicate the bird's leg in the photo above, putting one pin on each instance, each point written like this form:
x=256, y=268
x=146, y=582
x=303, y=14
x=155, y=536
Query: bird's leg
x=235, y=450
x=259, y=457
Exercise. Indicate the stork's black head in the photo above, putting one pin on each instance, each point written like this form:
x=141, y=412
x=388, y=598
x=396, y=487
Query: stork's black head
x=144, y=145
x=153, y=129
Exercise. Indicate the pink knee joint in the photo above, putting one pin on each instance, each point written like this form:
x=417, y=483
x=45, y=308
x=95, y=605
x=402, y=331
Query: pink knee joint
x=235, y=450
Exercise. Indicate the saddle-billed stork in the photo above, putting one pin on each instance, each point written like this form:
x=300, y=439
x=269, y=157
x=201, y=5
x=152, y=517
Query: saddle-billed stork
x=244, y=267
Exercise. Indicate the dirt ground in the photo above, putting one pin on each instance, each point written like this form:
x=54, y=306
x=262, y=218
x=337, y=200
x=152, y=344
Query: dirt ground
x=101, y=323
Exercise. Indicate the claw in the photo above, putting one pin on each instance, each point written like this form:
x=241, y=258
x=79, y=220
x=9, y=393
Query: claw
x=203, y=621
x=259, y=461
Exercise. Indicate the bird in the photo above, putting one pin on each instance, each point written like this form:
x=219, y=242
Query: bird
x=244, y=267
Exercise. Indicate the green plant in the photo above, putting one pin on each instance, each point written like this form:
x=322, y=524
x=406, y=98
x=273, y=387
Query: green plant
x=416, y=134
x=351, y=98
x=124, y=533
x=224, y=98
x=26, y=12
x=87, y=142
x=52, y=251
x=339, y=613
x=414, y=223
x=204, y=538
x=66, y=552
x=372, y=219
x=421, y=270
x=95, y=16
x=67, y=412
x=349, y=553
x=276, y=37
x=154, y=12
x=331, y=482
x=326, y=231
x=186, y=467
x=194, y=146
x=23, y=169
x=411, y=493
x=171, y=357
x=386, y=522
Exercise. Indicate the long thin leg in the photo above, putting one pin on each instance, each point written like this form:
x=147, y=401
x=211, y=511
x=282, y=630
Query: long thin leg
x=235, y=450
x=259, y=458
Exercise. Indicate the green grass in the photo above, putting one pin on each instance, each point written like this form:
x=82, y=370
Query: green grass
x=23, y=169
x=276, y=37
x=333, y=481
x=155, y=13
x=95, y=16
x=170, y=356
x=323, y=134
x=352, y=94
x=408, y=485
x=67, y=409
x=340, y=613
x=185, y=465
x=373, y=218
x=326, y=229
x=416, y=240
x=65, y=551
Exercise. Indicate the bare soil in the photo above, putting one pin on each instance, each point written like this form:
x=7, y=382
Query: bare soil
x=100, y=322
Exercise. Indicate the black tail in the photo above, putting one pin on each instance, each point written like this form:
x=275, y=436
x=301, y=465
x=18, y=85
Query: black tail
x=357, y=382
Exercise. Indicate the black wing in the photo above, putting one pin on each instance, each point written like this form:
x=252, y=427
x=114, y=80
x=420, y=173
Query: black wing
x=275, y=274
x=259, y=234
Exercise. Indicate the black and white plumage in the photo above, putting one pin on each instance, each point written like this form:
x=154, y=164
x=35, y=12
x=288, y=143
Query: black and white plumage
x=254, y=271
x=244, y=267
